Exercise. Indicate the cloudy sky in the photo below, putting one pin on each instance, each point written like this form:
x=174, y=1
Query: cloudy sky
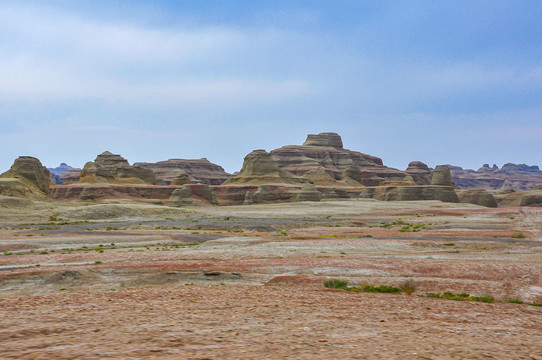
x=456, y=82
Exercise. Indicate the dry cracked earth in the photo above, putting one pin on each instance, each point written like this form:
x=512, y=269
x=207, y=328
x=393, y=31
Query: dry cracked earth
x=128, y=280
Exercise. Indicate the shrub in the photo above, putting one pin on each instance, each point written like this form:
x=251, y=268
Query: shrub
x=518, y=236
x=448, y=244
x=380, y=289
x=336, y=284
x=514, y=301
x=408, y=287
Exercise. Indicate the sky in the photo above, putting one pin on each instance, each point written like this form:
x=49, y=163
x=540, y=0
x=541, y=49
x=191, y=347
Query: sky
x=443, y=82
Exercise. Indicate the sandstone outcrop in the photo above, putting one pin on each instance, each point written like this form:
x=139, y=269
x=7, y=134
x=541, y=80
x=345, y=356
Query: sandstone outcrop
x=309, y=193
x=26, y=178
x=199, y=170
x=477, y=197
x=111, y=168
x=70, y=177
x=320, y=176
x=522, y=198
x=420, y=172
x=352, y=173
x=414, y=193
x=515, y=177
x=442, y=176
x=328, y=139
x=64, y=174
x=326, y=150
x=182, y=178
x=259, y=167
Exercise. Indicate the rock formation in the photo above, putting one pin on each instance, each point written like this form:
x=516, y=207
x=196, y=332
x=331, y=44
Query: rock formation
x=514, y=177
x=531, y=197
x=328, y=139
x=200, y=170
x=191, y=195
x=320, y=176
x=70, y=177
x=182, y=178
x=420, y=172
x=309, y=193
x=326, y=150
x=26, y=178
x=477, y=197
x=442, y=176
x=111, y=168
x=352, y=173
x=62, y=172
x=259, y=167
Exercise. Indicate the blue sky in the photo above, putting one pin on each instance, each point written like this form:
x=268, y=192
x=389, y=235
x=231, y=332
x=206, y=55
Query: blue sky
x=456, y=82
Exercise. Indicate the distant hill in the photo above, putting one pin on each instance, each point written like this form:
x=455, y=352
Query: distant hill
x=515, y=177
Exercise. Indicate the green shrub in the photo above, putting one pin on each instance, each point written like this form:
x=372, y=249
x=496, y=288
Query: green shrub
x=336, y=284
x=380, y=289
x=518, y=236
x=448, y=244
x=514, y=301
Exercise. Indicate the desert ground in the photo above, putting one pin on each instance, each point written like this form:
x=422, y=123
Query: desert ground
x=125, y=280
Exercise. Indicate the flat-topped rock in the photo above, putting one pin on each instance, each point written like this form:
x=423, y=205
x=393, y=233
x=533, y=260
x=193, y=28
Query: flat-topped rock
x=442, y=176
x=327, y=139
x=326, y=150
x=199, y=170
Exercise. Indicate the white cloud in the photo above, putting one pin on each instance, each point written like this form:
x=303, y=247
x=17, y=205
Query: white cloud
x=60, y=56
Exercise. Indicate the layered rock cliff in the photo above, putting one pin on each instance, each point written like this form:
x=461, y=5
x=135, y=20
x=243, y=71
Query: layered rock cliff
x=513, y=177
x=259, y=167
x=326, y=150
x=26, y=178
x=199, y=170
x=111, y=168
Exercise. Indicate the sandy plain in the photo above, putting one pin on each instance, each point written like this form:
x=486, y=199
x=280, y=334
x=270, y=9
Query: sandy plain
x=125, y=280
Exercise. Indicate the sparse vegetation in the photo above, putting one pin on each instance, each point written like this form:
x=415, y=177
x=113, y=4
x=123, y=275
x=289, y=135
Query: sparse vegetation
x=336, y=284
x=518, y=236
x=463, y=296
x=343, y=285
x=408, y=287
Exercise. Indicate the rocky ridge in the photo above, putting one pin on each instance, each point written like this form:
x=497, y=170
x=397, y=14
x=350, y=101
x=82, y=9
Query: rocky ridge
x=199, y=170
x=513, y=177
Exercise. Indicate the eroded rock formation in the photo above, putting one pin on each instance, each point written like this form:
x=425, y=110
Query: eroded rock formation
x=514, y=177
x=26, y=178
x=200, y=170
x=111, y=168
x=182, y=178
x=442, y=176
x=420, y=172
x=477, y=197
x=326, y=150
x=259, y=167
